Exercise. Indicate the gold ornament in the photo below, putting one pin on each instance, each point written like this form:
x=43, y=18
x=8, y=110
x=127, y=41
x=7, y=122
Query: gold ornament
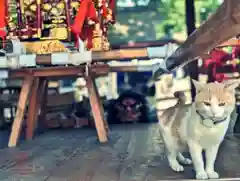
x=60, y=5
x=45, y=47
x=33, y=7
x=47, y=7
x=97, y=38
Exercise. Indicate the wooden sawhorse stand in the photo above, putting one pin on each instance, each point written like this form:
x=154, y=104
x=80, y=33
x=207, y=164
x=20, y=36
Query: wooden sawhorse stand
x=34, y=94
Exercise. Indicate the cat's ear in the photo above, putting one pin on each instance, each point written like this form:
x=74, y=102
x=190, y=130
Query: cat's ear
x=231, y=85
x=198, y=85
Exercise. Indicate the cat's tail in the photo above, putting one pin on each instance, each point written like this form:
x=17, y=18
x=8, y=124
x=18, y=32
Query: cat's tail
x=181, y=97
x=166, y=83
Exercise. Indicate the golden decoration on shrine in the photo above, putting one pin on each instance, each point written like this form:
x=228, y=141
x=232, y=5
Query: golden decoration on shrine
x=33, y=7
x=59, y=33
x=27, y=2
x=45, y=47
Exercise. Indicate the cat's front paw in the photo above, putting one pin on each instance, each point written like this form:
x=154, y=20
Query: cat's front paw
x=187, y=161
x=201, y=176
x=212, y=175
x=177, y=167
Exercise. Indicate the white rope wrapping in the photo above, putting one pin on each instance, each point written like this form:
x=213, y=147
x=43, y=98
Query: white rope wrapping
x=13, y=61
x=27, y=60
x=61, y=58
x=18, y=48
x=9, y=62
x=162, y=51
x=82, y=56
x=3, y=74
x=79, y=58
x=3, y=62
x=144, y=68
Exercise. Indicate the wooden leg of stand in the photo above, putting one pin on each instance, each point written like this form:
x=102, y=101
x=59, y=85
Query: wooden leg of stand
x=32, y=109
x=43, y=102
x=22, y=104
x=96, y=109
x=101, y=107
x=34, y=105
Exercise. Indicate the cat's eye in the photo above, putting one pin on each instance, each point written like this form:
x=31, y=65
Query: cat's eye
x=207, y=103
x=222, y=104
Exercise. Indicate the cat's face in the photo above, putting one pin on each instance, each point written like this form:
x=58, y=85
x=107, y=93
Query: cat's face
x=215, y=100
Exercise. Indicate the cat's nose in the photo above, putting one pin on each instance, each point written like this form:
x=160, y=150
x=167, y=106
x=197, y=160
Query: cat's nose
x=214, y=113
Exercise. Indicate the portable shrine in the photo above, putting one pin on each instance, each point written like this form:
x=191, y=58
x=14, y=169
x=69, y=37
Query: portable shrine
x=58, y=20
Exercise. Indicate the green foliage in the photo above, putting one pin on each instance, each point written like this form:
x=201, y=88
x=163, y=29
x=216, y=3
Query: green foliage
x=162, y=19
x=173, y=12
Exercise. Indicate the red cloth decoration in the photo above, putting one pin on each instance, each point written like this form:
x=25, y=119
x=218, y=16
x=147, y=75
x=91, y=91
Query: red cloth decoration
x=235, y=55
x=218, y=58
x=86, y=11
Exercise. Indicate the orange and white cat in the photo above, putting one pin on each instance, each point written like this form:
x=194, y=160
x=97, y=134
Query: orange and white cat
x=197, y=127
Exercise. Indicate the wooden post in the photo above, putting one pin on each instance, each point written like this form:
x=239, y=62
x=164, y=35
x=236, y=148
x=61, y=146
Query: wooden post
x=22, y=104
x=32, y=109
x=96, y=109
x=34, y=105
x=190, y=16
x=43, y=102
x=101, y=106
x=190, y=23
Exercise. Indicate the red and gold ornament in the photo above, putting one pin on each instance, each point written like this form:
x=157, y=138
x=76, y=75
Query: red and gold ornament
x=219, y=58
x=86, y=12
x=3, y=15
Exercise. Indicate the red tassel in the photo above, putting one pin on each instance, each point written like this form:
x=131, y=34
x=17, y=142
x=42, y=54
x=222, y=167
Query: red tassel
x=112, y=6
x=92, y=13
x=80, y=17
x=104, y=9
x=86, y=10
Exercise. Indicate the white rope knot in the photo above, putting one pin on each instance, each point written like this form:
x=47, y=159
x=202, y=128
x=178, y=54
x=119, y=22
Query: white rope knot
x=87, y=70
x=88, y=65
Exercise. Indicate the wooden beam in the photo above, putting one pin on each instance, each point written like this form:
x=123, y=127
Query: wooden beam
x=124, y=68
x=60, y=71
x=22, y=104
x=103, y=56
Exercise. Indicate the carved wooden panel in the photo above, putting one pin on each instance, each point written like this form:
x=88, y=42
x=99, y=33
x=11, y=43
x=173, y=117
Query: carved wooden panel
x=55, y=19
x=23, y=18
x=30, y=20
x=12, y=19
